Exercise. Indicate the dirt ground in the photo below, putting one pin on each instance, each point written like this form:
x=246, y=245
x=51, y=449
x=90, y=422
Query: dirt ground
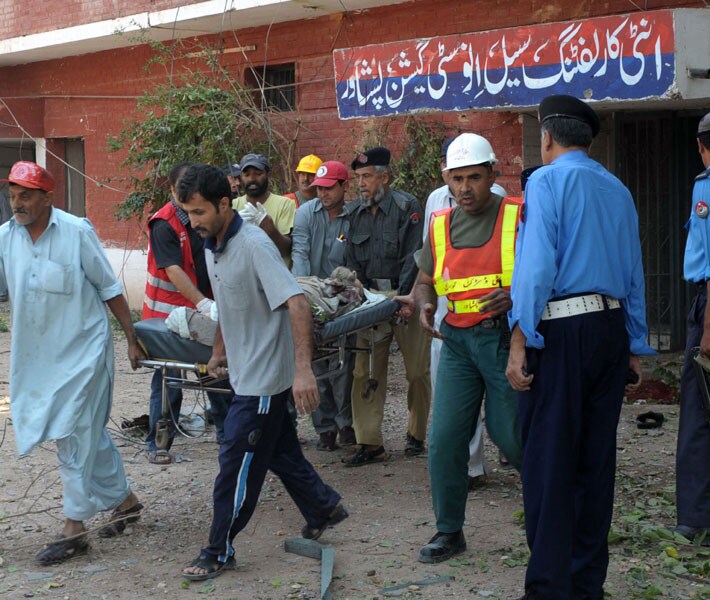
x=375, y=549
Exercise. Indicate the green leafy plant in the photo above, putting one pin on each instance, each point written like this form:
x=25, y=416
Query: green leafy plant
x=418, y=170
x=202, y=115
x=415, y=146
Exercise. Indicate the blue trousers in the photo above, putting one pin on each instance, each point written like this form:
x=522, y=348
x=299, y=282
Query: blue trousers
x=334, y=411
x=692, y=466
x=569, y=419
x=259, y=435
x=219, y=404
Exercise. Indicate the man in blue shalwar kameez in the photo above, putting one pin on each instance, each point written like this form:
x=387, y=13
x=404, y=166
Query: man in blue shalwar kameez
x=62, y=363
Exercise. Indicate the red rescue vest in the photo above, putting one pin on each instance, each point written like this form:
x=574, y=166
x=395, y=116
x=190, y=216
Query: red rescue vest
x=465, y=274
x=161, y=296
x=293, y=197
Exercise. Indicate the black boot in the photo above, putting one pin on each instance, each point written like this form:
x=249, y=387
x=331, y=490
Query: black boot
x=442, y=547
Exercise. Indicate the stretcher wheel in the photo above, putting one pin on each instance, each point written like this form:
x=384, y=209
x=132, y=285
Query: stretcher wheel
x=162, y=434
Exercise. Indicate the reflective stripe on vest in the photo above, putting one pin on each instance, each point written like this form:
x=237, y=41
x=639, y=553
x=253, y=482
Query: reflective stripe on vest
x=159, y=283
x=161, y=307
x=464, y=306
x=161, y=295
x=476, y=282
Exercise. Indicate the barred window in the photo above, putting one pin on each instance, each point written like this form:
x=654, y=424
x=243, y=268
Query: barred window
x=278, y=83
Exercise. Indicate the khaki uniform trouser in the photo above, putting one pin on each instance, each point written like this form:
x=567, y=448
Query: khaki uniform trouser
x=368, y=413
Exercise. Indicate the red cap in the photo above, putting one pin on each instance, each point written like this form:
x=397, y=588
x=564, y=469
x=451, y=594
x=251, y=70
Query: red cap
x=31, y=175
x=329, y=173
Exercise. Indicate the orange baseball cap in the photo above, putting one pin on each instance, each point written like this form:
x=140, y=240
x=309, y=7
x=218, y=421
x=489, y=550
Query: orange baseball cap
x=30, y=175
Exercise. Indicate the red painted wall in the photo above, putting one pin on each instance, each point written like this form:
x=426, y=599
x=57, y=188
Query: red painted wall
x=92, y=96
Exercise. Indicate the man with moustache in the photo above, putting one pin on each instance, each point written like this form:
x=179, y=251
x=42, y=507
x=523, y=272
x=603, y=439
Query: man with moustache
x=265, y=336
x=273, y=213
x=232, y=171
x=385, y=231
x=305, y=174
x=468, y=258
x=62, y=364
x=440, y=199
x=320, y=237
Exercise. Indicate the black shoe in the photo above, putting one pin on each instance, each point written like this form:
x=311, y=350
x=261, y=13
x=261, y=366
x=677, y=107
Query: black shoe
x=347, y=436
x=364, y=456
x=413, y=447
x=693, y=533
x=338, y=515
x=442, y=547
x=327, y=441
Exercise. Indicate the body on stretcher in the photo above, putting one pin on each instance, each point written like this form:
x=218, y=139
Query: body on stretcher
x=171, y=354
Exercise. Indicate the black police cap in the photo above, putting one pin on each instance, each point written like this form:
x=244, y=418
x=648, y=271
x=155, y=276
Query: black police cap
x=569, y=107
x=375, y=157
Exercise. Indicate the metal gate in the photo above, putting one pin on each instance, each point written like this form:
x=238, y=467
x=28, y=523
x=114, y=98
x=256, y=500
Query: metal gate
x=657, y=159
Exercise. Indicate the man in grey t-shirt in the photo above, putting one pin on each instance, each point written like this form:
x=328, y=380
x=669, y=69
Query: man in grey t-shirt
x=265, y=337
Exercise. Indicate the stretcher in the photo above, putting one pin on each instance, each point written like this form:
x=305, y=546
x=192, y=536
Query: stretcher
x=183, y=362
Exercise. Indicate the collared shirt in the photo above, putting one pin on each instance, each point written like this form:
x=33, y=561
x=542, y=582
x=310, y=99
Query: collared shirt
x=319, y=243
x=232, y=230
x=696, y=265
x=251, y=285
x=382, y=244
x=61, y=339
x=579, y=235
x=181, y=214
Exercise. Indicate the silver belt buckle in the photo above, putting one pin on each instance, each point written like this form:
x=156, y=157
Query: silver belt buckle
x=488, y=324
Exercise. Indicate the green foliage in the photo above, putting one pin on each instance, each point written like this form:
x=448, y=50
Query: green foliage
x=4, y=327
x=203, y=115
x=669, y=372
x=418, y=169
x=648, y=549
x=116, y=328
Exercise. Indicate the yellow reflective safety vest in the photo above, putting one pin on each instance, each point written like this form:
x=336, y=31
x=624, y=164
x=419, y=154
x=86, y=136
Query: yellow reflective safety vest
x=465, y=274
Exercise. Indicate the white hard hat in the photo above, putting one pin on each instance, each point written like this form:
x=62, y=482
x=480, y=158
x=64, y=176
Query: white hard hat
x=468, y=150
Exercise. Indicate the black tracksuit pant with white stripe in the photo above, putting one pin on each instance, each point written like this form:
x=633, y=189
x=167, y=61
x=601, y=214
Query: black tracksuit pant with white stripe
x=259, y=435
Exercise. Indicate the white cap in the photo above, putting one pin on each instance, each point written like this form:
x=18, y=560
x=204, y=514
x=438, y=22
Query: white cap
x=469, y=150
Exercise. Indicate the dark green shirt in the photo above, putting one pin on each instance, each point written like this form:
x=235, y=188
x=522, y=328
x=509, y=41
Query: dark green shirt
x=467, y=231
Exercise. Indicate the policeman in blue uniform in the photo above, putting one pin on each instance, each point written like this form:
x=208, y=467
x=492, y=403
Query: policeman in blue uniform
x=692, y=466
x=578, y=322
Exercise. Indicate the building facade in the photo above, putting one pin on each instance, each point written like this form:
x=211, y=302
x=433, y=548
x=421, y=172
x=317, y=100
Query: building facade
x=72, y=76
